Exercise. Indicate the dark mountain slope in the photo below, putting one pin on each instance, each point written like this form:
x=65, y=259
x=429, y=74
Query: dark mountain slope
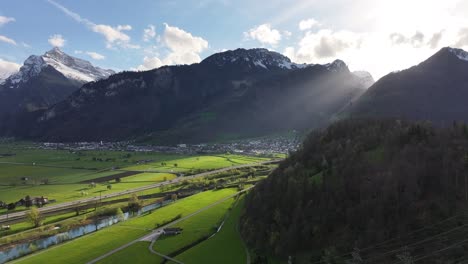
x=434, y=90
x=360, y=183
x=39, y=92
x=236, y=93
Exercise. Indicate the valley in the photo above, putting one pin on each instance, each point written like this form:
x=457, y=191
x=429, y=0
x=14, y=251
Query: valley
x=81, y=189
x=236, y=132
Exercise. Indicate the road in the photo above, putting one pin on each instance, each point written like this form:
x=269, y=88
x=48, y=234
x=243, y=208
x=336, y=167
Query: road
x=155, y=233
x=73, y=204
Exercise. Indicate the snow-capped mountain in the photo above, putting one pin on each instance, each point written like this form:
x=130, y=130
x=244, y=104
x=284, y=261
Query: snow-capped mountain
x=254, y=58
x=72, y=68
x=45, y=80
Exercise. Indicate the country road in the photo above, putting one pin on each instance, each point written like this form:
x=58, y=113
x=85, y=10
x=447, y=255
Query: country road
x=72, y=204
x=155, y=233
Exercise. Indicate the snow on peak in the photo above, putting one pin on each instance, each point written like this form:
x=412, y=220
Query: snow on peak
x=257, y=58
x=71, y=67
x=461, y=54
x=336, y=66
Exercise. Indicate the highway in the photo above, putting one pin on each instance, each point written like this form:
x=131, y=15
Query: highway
x=73, y=204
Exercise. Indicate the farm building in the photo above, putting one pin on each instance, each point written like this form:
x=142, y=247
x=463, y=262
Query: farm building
x=171, y=231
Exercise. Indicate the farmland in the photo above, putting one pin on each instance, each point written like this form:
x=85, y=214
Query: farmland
x=92, y=246
x=70, y=177
x=225, y=247
x=60, y=174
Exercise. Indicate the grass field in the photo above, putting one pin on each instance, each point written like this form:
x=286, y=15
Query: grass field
x=69, y=192
x=225, y=247
x=194, y=228
x=94, y=245
x=89, y=159
x=65, y=173
x=65, y=170
x=136, y=253
x=197, y=162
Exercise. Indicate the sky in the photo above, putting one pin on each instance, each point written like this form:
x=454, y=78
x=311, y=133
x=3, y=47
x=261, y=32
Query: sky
x=378, y=36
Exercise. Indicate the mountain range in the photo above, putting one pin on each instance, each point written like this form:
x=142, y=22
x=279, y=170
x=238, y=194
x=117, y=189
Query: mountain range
x=229, y=95
x=232, y=94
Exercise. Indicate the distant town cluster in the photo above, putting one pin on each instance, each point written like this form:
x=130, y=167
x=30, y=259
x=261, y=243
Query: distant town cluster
x=263, y=146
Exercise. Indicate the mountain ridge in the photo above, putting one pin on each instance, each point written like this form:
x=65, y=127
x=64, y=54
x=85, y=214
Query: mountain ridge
x=434, y=90
x=201, y=102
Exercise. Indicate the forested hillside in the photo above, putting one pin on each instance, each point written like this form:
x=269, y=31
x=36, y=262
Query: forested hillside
x=358, y=184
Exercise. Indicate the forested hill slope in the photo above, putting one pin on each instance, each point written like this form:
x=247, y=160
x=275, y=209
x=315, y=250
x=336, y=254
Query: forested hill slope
x=359, y=183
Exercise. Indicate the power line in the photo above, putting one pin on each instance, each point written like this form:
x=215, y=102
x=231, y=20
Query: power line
x=440, y=250
x=417, y=243
x=410, y=233
x=405, y=236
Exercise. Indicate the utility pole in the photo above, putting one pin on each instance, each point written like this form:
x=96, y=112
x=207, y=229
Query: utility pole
x=466, y=190
x=465, y=174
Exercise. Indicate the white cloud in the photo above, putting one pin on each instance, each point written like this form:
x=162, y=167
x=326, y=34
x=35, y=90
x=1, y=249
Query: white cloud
x=378, y=41
x=114, y=35
x=4, y=20
x=181, y=41
x=7, y=40
x=264, y=34
x=307, y=24
x=7, y=68
x=92, y=54
x=290, y=52
x=150, y=63
x=124, y=27
x=325, y=44
x=95, y=55
x=57, y=40
x=149, y=33
x=184, y=48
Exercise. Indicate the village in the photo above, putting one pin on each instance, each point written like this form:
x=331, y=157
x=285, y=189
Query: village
x=261, y=146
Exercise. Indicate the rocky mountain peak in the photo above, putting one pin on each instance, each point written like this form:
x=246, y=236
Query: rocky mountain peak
x=254, y=58
x=72, y=68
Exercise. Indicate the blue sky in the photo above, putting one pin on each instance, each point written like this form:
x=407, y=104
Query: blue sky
x=374, y=35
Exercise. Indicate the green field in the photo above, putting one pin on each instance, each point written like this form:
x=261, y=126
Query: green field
x=63, y=176
x=65, y=170
x=225, y=247
x=194, y=228
x=69, y=192
x=94, y=245
x=136, y=253
x=87, y=159
x=197, y=162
